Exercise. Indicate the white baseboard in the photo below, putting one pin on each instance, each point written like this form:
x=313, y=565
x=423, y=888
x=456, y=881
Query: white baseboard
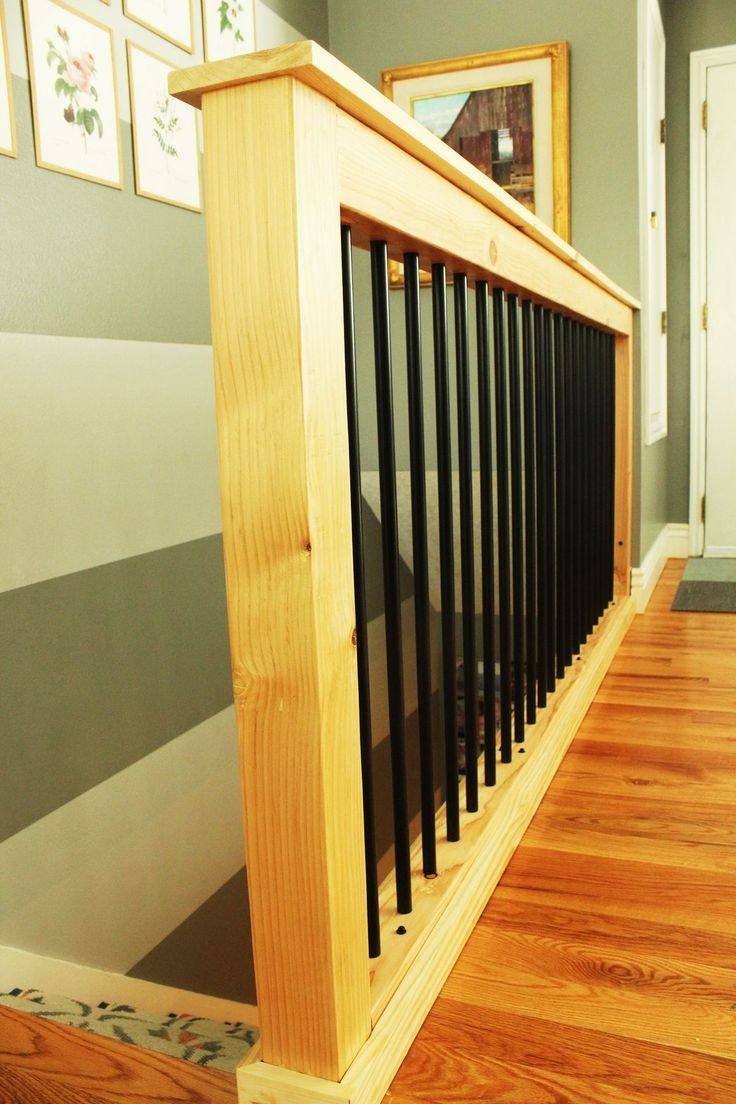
x=25, y=970
x=672, y=543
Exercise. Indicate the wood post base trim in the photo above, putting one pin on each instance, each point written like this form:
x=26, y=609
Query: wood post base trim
x=369, y=1077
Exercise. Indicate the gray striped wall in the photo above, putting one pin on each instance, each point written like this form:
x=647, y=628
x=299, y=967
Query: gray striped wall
x=119, y=794
x=120, y=823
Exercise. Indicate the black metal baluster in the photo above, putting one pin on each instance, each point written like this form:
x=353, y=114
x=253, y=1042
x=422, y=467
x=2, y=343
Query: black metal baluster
x=591, y=480
x=598, y=403
x=485, y=434
x=541, y=462
x=551, y=522
x=421, y=567
x=569, y=611
x=611, y=368
x=467, y=553
x=603, y=445
x=361, y=617
x=517, y=517
x=501, y=371
x=560, y=495
x=392, y=594
x=576, y=436
x=531, y=462
x=447, y=554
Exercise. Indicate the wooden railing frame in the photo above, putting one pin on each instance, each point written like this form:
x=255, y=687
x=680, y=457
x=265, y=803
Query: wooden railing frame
x=293, y=143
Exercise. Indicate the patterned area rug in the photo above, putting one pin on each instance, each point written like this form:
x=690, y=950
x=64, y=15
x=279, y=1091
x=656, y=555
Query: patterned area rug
x=204, y=1042
x=708, y=586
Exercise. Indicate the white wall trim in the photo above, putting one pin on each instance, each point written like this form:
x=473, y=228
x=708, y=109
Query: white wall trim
x=700, y=62
x=23, y=969
x=651, y=40
x=672, y=543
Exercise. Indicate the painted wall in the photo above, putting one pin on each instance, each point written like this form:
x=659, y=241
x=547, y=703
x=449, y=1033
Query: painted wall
x=697, y=25
x=604, y=169
x=119, y=794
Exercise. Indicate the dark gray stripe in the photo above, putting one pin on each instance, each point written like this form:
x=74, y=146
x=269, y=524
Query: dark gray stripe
x=211, y=951
x=101, y=667
x=126, y=250
x=374, y=567
x=309, y=17
x=222, y=923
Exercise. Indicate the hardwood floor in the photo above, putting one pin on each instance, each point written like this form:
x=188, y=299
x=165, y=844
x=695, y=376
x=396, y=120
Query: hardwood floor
x=42, y=1062
x=604, y=968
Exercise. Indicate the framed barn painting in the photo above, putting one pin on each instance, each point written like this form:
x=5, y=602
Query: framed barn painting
x=507, y=113
x=74, y=98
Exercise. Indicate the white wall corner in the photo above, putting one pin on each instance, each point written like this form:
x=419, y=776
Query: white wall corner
x=25, y=970
x=672, y=543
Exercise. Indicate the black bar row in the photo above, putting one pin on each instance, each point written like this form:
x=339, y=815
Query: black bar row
x=545, y=453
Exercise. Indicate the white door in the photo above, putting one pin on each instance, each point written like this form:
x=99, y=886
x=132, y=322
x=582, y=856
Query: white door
x=720, y=335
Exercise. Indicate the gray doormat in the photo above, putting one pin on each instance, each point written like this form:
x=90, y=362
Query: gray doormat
x=708, y=586
x=204, y=1042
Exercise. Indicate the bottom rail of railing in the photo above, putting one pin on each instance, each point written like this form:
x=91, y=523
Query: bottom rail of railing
x=416, y=962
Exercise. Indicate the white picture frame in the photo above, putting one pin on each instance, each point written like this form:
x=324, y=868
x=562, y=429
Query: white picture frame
x=170, y=19
x=228, y=27
x=8, y=144
x=165, y=134
x=73, y=93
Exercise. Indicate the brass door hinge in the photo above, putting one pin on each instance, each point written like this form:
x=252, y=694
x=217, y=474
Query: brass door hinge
x=705, y=114
x=705, y=316
x=663, y=322
x=653, y=220
x=702, y=509
x=663, y=130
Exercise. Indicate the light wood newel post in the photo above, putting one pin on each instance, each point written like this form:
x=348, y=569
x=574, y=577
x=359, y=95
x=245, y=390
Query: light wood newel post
x=273, y=219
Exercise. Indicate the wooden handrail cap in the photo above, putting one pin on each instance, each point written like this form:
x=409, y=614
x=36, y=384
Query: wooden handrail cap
x=311, y=64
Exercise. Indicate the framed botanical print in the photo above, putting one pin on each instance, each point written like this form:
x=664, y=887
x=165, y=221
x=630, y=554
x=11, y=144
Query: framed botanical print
x=75, y=105
x=507, y=113
x=171, y=19
x=229, y=28
x=7, y=116
x=165, y=137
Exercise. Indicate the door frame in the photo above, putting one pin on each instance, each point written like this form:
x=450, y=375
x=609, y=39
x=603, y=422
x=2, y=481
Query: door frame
x=653, y=263
x=700, y=62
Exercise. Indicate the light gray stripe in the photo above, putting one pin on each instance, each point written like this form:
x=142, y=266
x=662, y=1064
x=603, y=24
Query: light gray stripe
x=79, y=259
x=99, y=668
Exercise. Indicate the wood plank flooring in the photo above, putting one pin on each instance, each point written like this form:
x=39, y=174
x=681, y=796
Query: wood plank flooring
x=42, y=1062
x=604, y=967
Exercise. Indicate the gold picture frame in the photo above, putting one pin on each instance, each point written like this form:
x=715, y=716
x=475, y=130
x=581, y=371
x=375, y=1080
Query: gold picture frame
x=220, y=35
x=8, y=138
x=507, y=112
x=74, y=94
x=176, y=24
x=165, y=134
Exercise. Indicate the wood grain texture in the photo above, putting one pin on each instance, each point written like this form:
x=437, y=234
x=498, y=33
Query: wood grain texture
x=604, y=968
x=387, y=192
x=315, y=67
x=276, y=303
x=42, y=1062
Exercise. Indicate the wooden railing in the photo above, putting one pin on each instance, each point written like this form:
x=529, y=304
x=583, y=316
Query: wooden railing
x=295, y=144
